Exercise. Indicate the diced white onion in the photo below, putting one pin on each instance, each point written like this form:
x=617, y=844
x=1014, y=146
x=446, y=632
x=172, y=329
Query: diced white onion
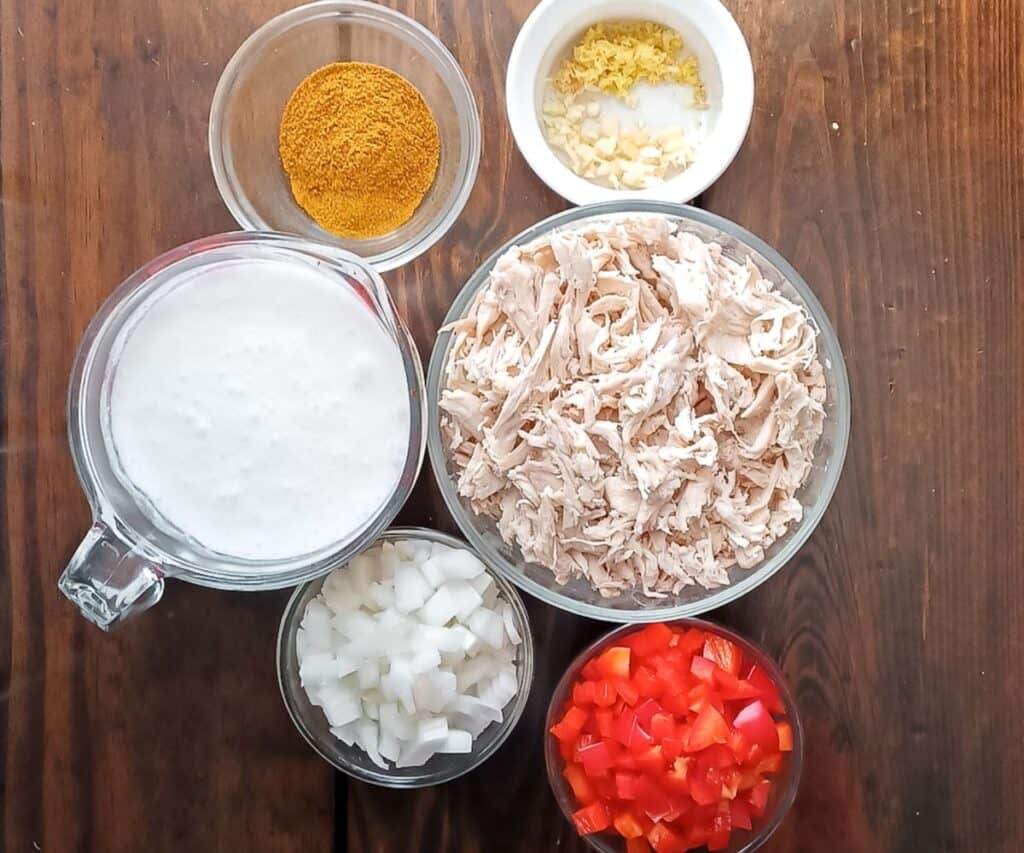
x=410, y=651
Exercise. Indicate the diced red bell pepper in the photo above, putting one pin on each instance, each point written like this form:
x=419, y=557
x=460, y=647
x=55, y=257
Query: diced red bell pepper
x=661, y=725
x=741, y=689
x=662, y=731
x=725, y=682
x=664, y=840
x=653, y=801
x=676, y=777
x=605, y=694
x=754, y=754
x=703, y=669
x=785, y=732
x=583, y=693
x=677, y=704
x=672, y=747
x=698, y=697
x=637, y=845
x=691, y=641
x=585, y=739
x=651, y=638
x=705, y=787
x=758, y=796
x=645, y=711
x=571, y=724
x=724, y=653
x=718, y=839
x=769, y=692
x=605, y=787
x=769, y=764
x=596, y=758
x=646, y=683
x=627, y=825
x=738, y=745
x=717, y=755
x=592, y=818
x=709, y=727
x=651, y=760
x=673, y=673
x=604, y=718
x=731, y=777
x=748, y=779
x=614, y=662
x=625, y=784
x=630, y=695
x=580, y=784
x=757, y=725
x=739, y=811
x=628, y=732
x=702, y=695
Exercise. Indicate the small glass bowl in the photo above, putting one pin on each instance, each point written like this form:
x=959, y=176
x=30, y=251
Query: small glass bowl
x=784, y=783
x=259, y=79
x=578, y=596
x=313, y=726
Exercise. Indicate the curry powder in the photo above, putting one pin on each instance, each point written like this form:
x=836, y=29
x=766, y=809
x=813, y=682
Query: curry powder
x=360, y=147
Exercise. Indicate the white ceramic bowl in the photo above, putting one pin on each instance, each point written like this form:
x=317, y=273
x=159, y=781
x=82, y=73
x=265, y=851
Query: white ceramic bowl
x=708, y=31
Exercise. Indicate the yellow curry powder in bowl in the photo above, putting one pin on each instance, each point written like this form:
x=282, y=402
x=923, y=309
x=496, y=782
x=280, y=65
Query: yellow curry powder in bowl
x=360, y=148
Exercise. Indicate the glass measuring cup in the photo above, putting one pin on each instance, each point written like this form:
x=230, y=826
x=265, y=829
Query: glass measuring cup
x=120, y=566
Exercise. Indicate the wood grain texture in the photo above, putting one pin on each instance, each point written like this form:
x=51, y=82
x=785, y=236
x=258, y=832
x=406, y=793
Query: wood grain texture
x=884, y=160
x=168, y=735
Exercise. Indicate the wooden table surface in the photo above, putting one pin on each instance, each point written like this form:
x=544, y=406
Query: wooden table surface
x=884, y=160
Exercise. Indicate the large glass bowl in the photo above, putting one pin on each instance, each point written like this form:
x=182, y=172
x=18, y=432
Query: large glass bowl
x=784, y=785
x=258, y=80
x=313, y=725
x=578, y=596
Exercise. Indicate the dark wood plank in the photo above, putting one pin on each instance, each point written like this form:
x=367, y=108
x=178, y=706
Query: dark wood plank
x=883, y=160
x=169, y=735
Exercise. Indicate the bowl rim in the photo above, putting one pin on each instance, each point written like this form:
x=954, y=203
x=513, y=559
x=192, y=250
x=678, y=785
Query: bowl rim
x=792, y=782
x=724, y=595
x=719, y=149
x=474, y=759
x=435, y=51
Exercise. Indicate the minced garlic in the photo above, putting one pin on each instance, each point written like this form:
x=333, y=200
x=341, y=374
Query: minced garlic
x=614, y=57
x=599, y=149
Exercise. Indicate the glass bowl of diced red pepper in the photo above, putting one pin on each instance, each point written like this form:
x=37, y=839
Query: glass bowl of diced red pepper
x=672, y=737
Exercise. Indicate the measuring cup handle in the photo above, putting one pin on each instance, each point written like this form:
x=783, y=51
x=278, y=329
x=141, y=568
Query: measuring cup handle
x=109, y=580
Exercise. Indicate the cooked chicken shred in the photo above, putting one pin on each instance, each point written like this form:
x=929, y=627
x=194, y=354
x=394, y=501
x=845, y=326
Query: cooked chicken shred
x=632, y=407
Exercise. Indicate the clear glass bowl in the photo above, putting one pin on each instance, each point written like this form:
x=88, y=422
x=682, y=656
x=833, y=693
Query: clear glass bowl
x=784, y=785
x=578, y=596
x=313, y=726
x=255, y=86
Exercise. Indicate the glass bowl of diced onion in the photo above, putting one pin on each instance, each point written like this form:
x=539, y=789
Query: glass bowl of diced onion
x=349, y=758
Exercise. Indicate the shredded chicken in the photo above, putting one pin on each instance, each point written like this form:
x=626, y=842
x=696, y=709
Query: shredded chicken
x=632, y=407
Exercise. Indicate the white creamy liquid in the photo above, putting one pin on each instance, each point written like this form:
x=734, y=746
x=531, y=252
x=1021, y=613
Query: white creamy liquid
x=261, y=409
